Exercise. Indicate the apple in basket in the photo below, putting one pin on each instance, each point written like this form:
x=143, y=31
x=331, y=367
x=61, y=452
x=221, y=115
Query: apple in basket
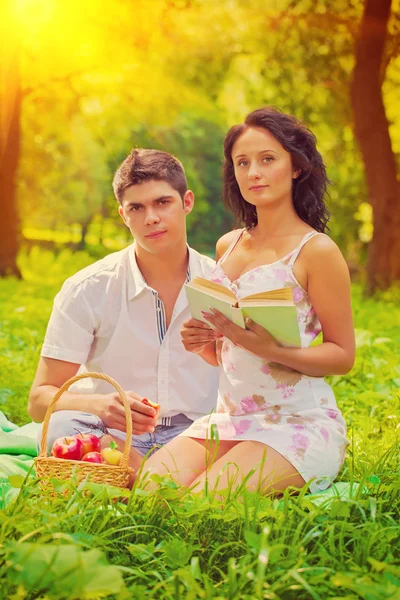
x=91, y=443
x=111, y=454
x=93, y=457
x=69, y=447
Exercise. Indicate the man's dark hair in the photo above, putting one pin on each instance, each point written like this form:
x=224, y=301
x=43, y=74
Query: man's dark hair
x=143, y=165
x=309, y=188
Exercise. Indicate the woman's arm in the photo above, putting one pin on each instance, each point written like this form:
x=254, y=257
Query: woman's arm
x=328, y=284
x=197, y=336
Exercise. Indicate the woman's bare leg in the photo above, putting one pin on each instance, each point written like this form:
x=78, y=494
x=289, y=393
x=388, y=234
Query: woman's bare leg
x=272, y=472
x=184, y=459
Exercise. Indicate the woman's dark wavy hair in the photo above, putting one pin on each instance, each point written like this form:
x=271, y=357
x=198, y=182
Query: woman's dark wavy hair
x=309, y=188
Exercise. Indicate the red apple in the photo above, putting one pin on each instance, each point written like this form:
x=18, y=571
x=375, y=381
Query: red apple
x=91, y=443
x=93, y=457
x=69, y=447
x=152, y=404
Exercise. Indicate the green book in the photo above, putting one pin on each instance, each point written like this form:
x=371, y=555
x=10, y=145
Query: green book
x=274, y=310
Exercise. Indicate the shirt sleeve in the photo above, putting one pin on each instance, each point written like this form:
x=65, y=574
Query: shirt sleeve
x=70, y=331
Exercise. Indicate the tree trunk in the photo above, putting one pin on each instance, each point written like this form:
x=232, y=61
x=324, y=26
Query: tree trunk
x=372, y=133
x=84, y=229
x=10, y=110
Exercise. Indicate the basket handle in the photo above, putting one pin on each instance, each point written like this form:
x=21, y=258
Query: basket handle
x=125, y=456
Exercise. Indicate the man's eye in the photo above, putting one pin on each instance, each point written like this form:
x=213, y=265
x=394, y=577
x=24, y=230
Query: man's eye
x=163, y=201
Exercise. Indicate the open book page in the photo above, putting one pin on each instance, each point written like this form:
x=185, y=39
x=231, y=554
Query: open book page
x=280, y=321
x=284, y=294
x=212, y=288
x=200, y=300
x=247, y=302
x=274, y=310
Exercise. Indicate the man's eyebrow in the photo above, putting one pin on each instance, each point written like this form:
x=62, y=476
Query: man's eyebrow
x=134, y=203
x=261, y=152
x=165, y=197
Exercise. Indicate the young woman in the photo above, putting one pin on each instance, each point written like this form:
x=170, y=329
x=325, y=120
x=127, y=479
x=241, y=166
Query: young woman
x=277, y=420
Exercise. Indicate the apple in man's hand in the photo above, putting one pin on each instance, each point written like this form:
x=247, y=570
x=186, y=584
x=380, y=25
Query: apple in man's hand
x=93, y=457
x=111, y=454
x=91, y=443
x=69, y=447
x=152, y=404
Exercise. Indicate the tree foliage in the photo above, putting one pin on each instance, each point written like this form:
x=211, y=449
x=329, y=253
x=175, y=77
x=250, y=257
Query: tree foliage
x=99, y=78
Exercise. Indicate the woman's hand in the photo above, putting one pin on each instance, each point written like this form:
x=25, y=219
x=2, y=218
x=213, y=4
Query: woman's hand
x=196, y=334
x=198, y=337
x=254, y=338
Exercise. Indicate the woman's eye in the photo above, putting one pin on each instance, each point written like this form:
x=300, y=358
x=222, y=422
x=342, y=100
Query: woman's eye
x=267, y=159
x=242, y=163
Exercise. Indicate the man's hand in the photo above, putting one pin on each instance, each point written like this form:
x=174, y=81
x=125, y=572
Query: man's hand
x=254, y=338
x=111, y=411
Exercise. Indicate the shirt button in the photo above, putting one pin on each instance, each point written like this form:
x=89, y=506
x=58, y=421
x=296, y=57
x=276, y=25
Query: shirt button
x=162, y=381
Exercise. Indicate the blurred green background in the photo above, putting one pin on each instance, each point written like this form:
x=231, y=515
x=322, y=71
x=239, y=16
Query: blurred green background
x=84, y=82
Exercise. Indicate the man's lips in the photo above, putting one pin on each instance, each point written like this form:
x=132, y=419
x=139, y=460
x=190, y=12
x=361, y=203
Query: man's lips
x=254, y=188
x=156, y=234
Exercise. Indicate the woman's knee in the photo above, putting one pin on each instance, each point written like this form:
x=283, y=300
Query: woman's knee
x=183, y=459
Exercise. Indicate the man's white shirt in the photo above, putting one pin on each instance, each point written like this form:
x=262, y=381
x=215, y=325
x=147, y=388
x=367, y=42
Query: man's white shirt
x=107, y=319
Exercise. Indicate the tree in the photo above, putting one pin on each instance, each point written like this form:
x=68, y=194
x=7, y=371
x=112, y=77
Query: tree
x=371, y=127
x=10, y=108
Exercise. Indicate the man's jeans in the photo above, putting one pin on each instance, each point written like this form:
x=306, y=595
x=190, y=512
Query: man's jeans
x=69, y=422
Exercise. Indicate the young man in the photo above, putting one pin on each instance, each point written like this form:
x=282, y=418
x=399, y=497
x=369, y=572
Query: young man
x=123, y=315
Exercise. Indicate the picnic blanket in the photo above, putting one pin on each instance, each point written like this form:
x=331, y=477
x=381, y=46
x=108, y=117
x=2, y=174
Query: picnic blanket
x=17, y=450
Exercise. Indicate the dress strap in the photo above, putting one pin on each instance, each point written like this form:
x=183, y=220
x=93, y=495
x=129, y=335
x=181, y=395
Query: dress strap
x=297, y=250
x=231, y=247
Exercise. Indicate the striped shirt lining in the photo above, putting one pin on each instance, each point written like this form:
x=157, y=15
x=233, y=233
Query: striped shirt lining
x=162, y=329
x=160, y=311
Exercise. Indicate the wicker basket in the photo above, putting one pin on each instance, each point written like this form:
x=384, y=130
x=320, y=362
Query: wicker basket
x=50, y=467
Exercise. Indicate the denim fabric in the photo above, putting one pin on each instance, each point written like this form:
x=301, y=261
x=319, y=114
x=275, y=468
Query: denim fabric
x=69, y=422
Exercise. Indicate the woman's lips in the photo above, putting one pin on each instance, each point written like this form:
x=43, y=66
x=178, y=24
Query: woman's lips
x=255, y=188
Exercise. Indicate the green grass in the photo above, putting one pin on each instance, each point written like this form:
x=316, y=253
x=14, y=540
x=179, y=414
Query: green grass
x=177, y=545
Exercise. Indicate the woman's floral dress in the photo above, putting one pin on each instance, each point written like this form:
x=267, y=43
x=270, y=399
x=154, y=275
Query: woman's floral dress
x=262, y=401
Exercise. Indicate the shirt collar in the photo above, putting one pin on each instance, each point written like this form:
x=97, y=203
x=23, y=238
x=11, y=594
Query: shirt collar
x=137, y=283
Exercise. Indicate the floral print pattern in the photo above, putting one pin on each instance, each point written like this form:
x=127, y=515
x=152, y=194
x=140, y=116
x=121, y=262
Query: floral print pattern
x=267, y=402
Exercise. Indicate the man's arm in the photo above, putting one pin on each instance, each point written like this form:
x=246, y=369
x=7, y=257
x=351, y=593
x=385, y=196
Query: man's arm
x=51, y=374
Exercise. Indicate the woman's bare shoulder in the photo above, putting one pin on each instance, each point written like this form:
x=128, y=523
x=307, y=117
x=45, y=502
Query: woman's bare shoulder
x=322, y=243
x=322, y=251
x=224, y=242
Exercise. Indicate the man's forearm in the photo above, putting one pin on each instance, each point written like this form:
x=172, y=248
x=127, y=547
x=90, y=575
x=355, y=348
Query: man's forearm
x=40, y=399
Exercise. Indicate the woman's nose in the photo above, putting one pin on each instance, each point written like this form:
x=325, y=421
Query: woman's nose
x=254, y=171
